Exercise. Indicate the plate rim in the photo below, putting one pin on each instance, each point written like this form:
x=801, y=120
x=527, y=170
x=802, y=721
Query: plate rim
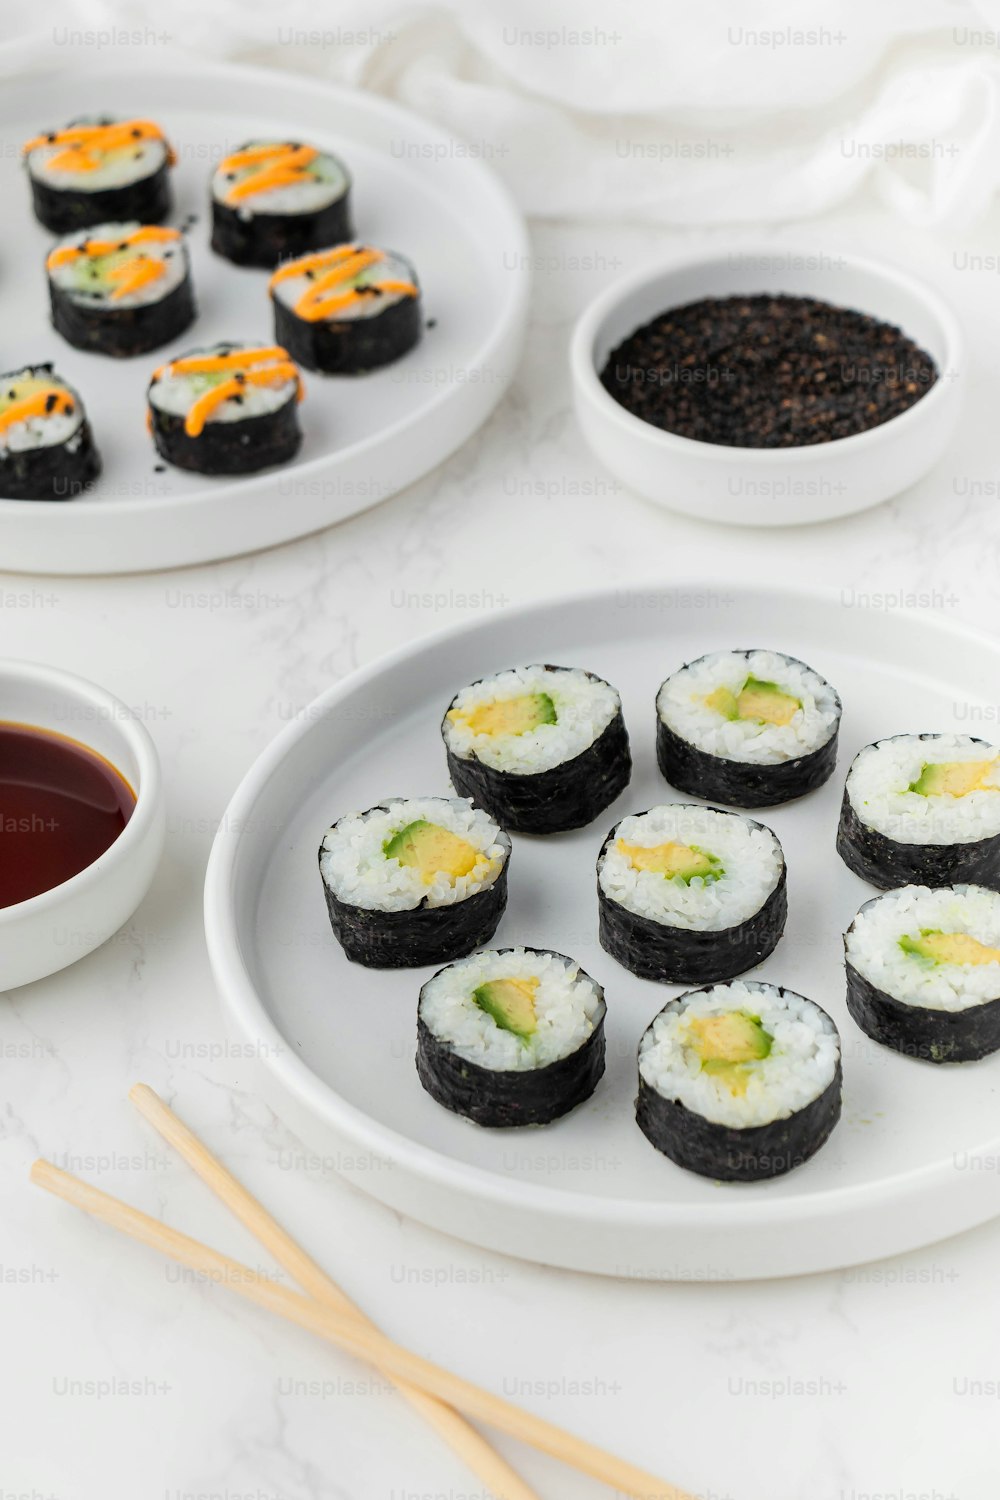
x=246, y=1011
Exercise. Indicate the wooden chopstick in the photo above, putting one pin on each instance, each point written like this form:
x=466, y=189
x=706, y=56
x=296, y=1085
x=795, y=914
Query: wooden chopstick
x=365, y=1343
x=482, y=1459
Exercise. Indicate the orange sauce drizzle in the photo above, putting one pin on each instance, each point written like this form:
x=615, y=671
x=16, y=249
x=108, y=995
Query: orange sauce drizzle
x=38, y=404
x=281, y=166
x=86, y=145
x=242, y=362
x=339, y=265
x=63, y=255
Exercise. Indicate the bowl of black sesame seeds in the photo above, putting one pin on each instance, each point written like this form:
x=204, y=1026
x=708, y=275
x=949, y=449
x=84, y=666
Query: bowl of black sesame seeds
x=768, y=387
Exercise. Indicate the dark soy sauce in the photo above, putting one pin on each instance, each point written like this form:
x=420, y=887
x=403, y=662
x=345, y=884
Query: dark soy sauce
x=61, y=807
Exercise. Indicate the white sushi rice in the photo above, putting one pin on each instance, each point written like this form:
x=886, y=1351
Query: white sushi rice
x=584, y=707
x=750, y=855
x=872, y=945
x=72, y=279
x=802, y=1062
x=681, y=705
x=325, y=181
x=176, y=394
x=357, y=871
x=119, y=168
x=568, y=1006
x=392, y=268
x=878, y=788
x=43, y=431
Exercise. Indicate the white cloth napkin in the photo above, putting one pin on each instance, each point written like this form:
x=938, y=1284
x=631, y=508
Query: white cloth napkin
x=661, y=111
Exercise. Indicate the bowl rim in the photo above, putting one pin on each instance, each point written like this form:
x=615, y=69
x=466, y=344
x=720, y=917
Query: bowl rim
x=148, y=794
x=583, y=367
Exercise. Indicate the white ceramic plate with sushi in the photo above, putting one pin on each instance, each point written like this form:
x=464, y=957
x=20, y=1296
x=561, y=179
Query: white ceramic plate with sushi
x=414, y=190
x=916, y=1155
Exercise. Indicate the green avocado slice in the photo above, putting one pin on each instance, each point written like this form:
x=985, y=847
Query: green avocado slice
x=511, y=1003
x=432, y=850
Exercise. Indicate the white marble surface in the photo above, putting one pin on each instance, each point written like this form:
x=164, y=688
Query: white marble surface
x=119, y=1383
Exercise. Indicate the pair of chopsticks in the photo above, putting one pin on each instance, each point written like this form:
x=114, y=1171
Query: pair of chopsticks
x=326, y=1311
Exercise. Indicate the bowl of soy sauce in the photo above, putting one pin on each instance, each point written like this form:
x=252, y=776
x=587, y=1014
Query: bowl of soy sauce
x=82, y=818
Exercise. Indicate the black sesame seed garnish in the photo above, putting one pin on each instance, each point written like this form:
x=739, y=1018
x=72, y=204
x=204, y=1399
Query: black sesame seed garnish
x=767, y=371
x=51, y=401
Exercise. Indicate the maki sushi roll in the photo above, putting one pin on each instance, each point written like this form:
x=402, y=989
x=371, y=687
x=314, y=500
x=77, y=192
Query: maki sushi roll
x=923, y=809
x=543, y=748
x=47, y=450
x=747, y=728
x=274, y=199
x=228, y=409
x=689, y=894
x=512, y=1036
x=739, y=1082
x=923, y=971
x=100, y=171
x=346, y=310
x=120, y=289
x=414, y=881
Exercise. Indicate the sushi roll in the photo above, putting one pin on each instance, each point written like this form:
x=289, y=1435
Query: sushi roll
x=275, y=199
x=923, y=809
x=542, y=748
x=99, y=171
x=512, y=1036
x=739, y=1082
x=414, y=881
x=923, y=971
x=688, y=894
x=228, y=409
x=120, y=289
x=47, y=450
x=346, y=310
x=746, y=728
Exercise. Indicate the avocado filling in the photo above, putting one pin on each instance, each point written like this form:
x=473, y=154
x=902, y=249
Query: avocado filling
x=508, y=715
x=25, y=386
x=761, y=702
x=684, y=862
x=728, y=1045
x=953, y=778
x=933, y=947
x=511, y=1003
x=431, y=850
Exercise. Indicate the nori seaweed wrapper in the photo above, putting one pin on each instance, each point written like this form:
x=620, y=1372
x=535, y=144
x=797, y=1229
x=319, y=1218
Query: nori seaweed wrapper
x=55, y=472
x=353, y=345
x=505, y=1098
x=424, y=934
x=732, y=1154
x=737, y=783
x=149, y=201
x=570, y=795
x=884, y=862
x=240, y=447
x=267, y=239
x=681, y=955
x=728, y=1154
x=122, y=331
x=936, y=1036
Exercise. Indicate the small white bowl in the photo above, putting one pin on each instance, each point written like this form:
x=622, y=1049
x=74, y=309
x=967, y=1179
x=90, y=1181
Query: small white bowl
x=55, y=928
x=759, y=486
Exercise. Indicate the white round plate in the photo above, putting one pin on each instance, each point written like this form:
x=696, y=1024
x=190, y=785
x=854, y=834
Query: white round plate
x=415, y=190
x=333, y=1043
